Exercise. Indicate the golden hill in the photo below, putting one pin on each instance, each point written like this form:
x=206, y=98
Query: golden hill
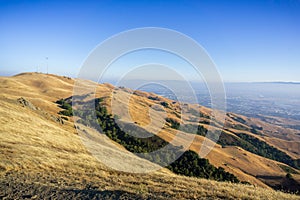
x=42, y=154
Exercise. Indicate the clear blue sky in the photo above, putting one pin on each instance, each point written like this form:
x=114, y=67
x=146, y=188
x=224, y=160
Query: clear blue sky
x=248, y=40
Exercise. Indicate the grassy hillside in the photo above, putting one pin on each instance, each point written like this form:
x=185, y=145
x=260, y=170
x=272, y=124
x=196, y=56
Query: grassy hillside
x=189, y=163
x=235, y=154
x=42, y=154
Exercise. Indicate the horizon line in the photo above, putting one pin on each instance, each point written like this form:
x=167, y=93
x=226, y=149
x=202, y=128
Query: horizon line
x=139, y=79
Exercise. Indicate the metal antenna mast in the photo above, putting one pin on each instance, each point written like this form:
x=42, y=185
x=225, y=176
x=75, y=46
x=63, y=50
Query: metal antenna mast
x=47, y=64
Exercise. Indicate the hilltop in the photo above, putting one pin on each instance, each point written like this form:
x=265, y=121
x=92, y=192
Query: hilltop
x=43, y=155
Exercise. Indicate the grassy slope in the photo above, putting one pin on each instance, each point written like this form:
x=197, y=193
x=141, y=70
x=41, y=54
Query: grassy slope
x=52, y=154
x=233, y=159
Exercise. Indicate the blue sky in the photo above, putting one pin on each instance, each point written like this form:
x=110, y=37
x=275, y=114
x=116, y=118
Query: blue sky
x=248, y=40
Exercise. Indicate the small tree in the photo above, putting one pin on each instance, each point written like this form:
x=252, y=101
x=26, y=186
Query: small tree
x=289, y=176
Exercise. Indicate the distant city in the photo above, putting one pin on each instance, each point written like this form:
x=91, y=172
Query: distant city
x=250, y=99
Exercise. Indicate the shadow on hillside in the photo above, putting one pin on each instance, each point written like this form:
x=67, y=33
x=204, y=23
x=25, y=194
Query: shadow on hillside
x=285, y=184
x=96, y=194
x=44, y=192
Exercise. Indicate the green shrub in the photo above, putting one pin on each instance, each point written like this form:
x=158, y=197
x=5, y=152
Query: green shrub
x=164, y=104
x=174, y=123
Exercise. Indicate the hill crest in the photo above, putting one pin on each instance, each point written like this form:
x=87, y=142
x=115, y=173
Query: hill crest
x=43, y=90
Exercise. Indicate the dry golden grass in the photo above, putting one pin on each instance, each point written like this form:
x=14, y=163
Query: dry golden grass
x=34, y=144
x=290, y=147
x=245, y=165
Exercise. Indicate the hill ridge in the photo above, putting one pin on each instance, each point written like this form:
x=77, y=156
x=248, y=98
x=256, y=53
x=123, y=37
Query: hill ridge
x=45, y=100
